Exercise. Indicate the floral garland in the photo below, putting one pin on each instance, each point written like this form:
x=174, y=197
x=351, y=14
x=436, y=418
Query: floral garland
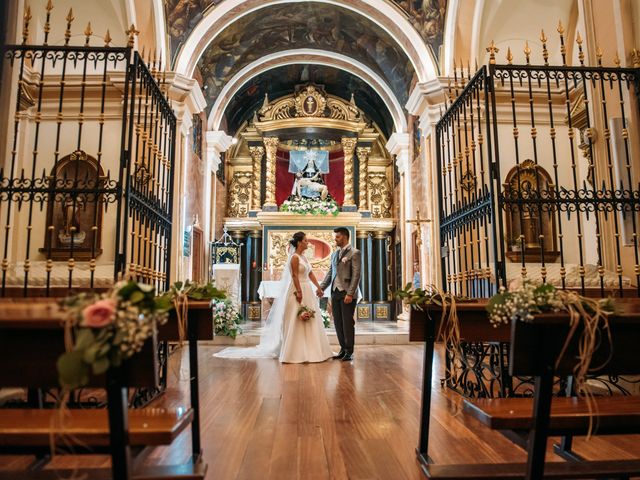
x=109, y=328
x=530, y=299
x=304, y=206
x=226, y=318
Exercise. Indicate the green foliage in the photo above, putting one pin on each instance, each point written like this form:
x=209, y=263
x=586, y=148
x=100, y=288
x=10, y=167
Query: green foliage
x=193, y=291
x=418, y=297
x=136, y=310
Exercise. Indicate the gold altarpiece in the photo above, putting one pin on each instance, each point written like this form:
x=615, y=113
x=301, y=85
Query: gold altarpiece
x=335, y=125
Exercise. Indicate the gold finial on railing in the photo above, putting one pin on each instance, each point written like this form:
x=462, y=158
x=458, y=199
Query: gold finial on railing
x=563, y=47
x=616, y=60
x=132, y=32
x=599, y=55
x=580, y=51
x=527, y=52
x=635, y=58
x=509, y=56
x=67, y=32
x=107, y=38
x=492, y=50
x=47, y=22
x=87, y=33
x=545, y=52
x=25, y=25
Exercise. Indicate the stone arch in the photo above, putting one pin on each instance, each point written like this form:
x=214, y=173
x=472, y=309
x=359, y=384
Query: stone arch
x=319, y=57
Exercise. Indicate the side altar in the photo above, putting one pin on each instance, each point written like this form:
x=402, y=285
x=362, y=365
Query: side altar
x=311, y=162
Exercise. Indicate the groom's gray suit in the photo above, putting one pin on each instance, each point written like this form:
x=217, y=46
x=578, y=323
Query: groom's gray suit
x=343, y=277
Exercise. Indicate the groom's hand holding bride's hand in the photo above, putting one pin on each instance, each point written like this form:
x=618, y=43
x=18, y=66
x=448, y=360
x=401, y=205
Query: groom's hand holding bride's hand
x=319, y=292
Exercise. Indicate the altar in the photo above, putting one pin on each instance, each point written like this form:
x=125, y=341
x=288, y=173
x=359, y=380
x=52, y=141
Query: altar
x=311, y=162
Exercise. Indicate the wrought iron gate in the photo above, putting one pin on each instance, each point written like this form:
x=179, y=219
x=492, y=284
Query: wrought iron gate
x=539, y=179
x=67, y=183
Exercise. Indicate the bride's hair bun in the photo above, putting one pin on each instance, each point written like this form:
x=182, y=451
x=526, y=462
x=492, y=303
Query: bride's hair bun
x=296, y=239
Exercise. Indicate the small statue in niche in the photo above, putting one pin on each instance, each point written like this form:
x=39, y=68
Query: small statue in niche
x=309, y=182
x=72, y=233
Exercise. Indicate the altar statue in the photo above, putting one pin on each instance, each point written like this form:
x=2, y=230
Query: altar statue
x=309, y=182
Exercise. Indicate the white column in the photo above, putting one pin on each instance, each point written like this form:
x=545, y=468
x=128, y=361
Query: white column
x=186, y=100
x=398, y=145
x=216, y=143
x=425, y=103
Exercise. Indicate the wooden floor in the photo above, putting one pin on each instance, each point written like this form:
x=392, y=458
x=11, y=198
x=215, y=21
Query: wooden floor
x=262, y=420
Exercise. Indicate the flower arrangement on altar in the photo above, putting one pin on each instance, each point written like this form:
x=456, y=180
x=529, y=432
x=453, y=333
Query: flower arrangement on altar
x=326, y=318
x=109, y=329
x=226, y=318
x=305, y=313
x=310, y=206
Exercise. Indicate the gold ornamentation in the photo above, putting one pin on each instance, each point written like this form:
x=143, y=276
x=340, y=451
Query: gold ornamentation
x=348, y=146
x=380, y=195
x=363, y=159
x=492, y=50
x=278, y=243
x=309, y=102
x=240, y=194
x=253, y=312
x=382, y=312
x=418, y=221
x=256, y=155
x=468, y=181
x=364, y=312
x=271, y=147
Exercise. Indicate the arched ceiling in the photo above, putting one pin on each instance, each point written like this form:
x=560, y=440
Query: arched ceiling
x=304, y=25
x=427, y=17
x=282, y=80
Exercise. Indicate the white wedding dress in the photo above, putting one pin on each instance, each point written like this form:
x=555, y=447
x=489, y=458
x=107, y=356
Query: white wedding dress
x=284, y=335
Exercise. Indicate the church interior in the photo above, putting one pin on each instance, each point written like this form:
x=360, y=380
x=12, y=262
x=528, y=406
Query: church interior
x=470, y=164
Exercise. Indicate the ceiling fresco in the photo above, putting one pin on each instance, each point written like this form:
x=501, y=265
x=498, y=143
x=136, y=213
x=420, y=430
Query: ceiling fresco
x=427, y=16
x=304, y=25
x=282, y=80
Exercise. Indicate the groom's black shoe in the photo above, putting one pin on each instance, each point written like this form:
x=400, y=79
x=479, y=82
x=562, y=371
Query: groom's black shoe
x=340, y=356
x=348, y=357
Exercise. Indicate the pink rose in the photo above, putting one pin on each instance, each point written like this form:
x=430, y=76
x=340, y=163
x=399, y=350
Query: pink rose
x=100, y=314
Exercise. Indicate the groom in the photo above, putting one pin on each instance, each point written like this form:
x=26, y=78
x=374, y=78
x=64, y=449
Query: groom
x=344, y=277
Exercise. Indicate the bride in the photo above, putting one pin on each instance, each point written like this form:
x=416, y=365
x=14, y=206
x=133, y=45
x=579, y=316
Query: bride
x=286, y=335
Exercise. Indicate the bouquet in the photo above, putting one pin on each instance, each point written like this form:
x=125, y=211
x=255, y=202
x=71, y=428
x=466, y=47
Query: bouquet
x=305, y=313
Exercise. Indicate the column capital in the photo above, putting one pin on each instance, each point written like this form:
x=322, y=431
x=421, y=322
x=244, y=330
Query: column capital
x=398, y=145
x=216, y=142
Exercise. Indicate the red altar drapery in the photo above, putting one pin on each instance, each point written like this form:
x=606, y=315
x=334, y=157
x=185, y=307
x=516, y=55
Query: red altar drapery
x=334, y=179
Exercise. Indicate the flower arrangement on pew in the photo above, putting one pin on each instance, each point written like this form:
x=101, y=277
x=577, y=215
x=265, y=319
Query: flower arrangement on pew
x=226, y=318
x=109, y=329
x=587, y=315
x=179, y=295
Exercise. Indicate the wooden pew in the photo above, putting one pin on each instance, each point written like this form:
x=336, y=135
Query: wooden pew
x=38, y=327
x=199, y=327
x=475, y=327
x=535, y=350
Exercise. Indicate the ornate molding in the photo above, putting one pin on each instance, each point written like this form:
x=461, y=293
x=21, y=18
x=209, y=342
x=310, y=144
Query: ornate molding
x=380, y=189
x=278, y=242
x=257, y=153
x=309, y=106
x=363, y=162
x=239, y=194
x=271, y=147
x=348, y=146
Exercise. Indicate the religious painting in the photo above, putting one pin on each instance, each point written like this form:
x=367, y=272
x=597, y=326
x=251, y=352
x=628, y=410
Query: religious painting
x=304, y=25
x=75, y=218
x=196, y=140
x=182, y=16
x=428, y=17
